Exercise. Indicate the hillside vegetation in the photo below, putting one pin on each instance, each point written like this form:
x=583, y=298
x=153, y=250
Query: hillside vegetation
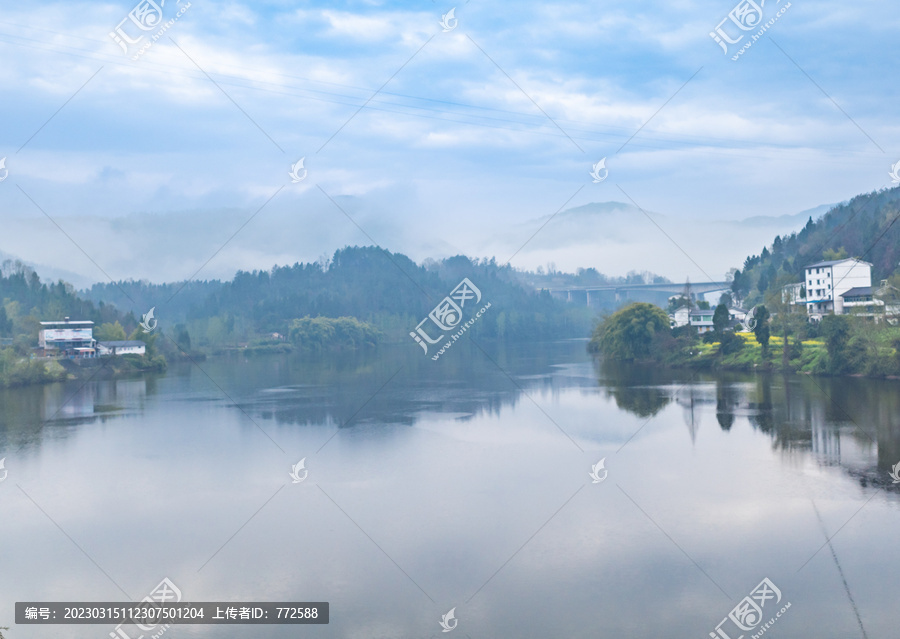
x=865, y=227
x=387, y=292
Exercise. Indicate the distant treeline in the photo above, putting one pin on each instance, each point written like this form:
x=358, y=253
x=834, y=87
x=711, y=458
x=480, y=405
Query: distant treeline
x=386, y=291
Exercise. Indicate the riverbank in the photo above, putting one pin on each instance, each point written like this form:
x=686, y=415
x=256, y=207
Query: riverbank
x=17, y=371
x=803, y=356
x=838, y=345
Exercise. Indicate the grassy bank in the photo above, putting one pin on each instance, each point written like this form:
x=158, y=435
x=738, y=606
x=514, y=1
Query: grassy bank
x=18, y=370
x=840, y=345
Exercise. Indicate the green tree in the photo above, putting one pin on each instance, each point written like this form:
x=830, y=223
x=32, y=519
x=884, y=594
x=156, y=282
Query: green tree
x=109, y=332
x=6, y=325
x=832, y=254
x=149, y=339
x=762, y=330
x=628, y=333
x=720, y=320
x=837, y=330
x=320, y=333
x=677, y=302
x=182, y=338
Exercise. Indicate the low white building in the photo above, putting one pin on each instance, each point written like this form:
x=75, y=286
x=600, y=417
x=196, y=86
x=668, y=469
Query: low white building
x=827, y=281
x=699, y=318
x=125, y=347
x=737, y=314
x=861, y=301
x=702, y=319
x=890, y=296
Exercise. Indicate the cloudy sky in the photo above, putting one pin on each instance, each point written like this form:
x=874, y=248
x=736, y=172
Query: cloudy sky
x=427, y=140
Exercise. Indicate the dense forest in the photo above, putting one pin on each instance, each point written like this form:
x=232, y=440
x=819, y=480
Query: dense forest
x=387, y=291
x=26, y=301
x=865, y=227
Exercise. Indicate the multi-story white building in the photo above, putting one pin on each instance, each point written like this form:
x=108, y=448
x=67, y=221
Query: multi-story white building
x=68, y=338
x=827, y=281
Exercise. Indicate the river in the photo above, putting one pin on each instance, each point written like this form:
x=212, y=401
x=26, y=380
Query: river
x=460, y=484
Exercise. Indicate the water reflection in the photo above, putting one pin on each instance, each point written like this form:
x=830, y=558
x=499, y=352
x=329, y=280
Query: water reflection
x=449, y=468
x=852, y=423
x=846, y=422
x=29, y=414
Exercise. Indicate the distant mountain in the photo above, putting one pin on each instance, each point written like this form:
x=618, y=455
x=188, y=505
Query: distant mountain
x=613, y=237
x=617, y=237
x=797, y=220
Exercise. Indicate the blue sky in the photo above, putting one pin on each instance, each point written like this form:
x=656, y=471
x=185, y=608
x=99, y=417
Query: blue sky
x=478, y=132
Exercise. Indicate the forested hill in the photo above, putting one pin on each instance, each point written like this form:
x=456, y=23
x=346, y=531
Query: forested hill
x=25, y=301
x=865, y=227
x=387, y=290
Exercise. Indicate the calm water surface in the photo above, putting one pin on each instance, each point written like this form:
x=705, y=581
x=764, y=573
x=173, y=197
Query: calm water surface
x=459, y=483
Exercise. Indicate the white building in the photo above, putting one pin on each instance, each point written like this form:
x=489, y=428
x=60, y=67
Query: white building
x=792, y=293
x=736, y=314
x=827, y=281
x=125, y=347
x=702, y=319
x=681, y=316
x=861, y=301
x=699, y=318
x=890, y=296
x=68, y=338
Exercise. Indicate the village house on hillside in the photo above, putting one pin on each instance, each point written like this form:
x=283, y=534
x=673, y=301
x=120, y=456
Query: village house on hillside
x=826, y=283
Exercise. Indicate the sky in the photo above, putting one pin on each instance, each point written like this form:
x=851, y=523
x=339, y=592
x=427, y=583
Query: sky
x=432, y=136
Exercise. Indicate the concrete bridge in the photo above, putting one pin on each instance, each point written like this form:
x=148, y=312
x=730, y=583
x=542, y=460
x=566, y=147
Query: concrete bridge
x=672, y=288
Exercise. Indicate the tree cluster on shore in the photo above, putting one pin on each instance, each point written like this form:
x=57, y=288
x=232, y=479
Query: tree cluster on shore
x=839, y=345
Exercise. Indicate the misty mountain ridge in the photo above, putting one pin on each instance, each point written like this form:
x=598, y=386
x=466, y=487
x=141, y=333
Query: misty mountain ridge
x=613, y=237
